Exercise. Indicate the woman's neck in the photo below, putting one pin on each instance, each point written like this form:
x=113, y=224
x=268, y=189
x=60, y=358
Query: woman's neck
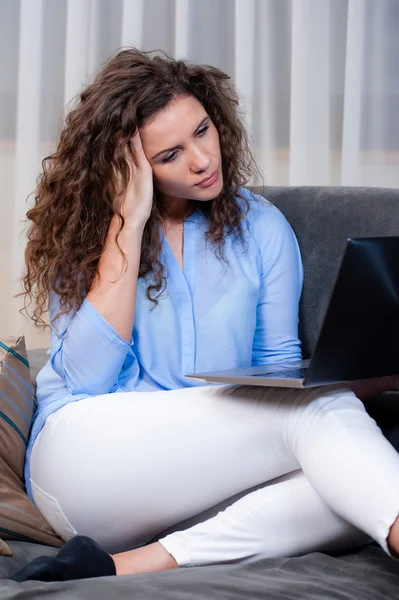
x=177, y=209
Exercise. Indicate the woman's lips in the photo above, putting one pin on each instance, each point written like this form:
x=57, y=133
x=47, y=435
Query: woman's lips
x=210, y=181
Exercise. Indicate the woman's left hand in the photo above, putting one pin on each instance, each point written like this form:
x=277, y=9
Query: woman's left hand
x=368, y=388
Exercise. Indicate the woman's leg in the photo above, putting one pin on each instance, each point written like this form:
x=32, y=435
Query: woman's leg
x=167, y=456
x=286, y=518
x=123, y=467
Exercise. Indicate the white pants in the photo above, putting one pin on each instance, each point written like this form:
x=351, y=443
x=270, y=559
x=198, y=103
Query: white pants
x=312, y=469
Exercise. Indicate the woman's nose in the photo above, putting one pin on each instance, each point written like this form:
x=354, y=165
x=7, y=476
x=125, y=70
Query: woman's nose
x=200, y=160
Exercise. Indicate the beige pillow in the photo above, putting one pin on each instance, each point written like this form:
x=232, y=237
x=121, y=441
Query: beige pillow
x=19, y=517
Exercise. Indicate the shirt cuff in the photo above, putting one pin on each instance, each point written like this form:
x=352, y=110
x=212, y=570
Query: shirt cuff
x=102, y=326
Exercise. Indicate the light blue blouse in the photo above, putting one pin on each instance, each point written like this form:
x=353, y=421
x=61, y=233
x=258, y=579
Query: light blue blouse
x=213, y=315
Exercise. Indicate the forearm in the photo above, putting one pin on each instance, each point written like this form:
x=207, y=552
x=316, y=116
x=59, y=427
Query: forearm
x=368, y=388
x=113, y=292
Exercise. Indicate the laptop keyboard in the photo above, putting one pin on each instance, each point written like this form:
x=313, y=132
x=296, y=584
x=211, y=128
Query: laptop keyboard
x=286, y=374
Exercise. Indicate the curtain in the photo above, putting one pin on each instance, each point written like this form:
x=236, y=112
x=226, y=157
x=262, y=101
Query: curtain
x=318, y=80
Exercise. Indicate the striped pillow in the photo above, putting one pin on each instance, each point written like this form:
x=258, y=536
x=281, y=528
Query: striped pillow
x=19, y=517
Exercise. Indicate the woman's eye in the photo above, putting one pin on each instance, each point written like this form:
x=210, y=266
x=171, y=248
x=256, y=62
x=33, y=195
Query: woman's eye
x=170, y=158
x=201, y=132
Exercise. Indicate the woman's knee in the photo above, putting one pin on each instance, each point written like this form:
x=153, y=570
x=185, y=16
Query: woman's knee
x=332, y=399
x=320, y=412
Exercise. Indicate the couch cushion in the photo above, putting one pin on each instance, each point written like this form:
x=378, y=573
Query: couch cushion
x=19, y=517
x=22, y=554
x=368, y=574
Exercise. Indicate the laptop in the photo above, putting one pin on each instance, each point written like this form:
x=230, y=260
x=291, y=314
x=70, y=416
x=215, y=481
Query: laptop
x=359, y=336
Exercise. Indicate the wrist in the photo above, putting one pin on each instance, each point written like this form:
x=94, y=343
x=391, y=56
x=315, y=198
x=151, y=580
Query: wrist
x=395, y=383
x=132, y=224
x=135, y=224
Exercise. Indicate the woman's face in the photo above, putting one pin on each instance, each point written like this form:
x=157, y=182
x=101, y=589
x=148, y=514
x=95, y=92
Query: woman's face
x=182, y=145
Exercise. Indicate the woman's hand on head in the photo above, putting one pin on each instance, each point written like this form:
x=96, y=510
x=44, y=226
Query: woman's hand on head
x=136, y=202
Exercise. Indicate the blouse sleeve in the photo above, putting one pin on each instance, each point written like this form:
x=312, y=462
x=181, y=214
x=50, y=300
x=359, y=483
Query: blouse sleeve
x=281, y=278
x=86, y=351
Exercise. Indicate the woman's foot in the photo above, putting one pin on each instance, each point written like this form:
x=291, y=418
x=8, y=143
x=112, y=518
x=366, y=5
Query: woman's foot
x=153, y=557
x=393, y=539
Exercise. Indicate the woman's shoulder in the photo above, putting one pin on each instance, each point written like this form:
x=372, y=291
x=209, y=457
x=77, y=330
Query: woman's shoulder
x=262, y=216
x=268, y=228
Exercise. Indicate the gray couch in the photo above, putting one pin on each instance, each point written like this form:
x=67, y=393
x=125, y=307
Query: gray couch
x=322, y=218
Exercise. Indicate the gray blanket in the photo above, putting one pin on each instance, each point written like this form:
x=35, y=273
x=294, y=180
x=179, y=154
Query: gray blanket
x=367, y=574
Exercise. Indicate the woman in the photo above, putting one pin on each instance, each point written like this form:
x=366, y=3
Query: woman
x=158, y=263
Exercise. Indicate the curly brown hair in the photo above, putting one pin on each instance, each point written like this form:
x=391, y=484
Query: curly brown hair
x=74, y=202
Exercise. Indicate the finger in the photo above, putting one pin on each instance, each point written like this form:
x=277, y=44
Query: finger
x=136, y=147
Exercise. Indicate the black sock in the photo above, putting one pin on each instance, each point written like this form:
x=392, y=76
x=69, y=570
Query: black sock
x=80, y=558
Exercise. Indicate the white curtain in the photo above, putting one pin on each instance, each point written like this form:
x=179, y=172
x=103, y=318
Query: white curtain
x=319, y=80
